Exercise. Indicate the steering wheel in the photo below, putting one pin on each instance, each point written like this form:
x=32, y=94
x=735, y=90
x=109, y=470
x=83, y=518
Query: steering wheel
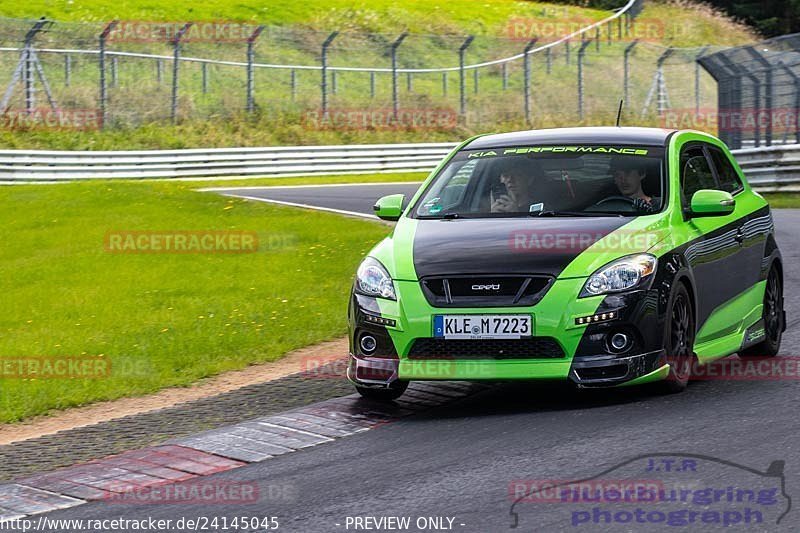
x=627, y=203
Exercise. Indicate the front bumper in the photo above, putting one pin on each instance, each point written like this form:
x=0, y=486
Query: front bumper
x=586, y=361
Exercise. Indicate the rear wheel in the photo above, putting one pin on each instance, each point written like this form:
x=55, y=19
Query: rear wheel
x=679, y=341
x=384, y=394
x=772, y=316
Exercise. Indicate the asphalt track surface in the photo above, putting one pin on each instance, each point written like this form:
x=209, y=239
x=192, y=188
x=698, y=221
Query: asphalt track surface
x=459, y=461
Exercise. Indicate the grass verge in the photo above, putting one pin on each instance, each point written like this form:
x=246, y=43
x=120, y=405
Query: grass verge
x=785, y=200
x=161, y=319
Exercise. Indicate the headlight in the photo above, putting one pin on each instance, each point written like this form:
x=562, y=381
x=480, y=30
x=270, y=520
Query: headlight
x=621, y=275
x=372, y=279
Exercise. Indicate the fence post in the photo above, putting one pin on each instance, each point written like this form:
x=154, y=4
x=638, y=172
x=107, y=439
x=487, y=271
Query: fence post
x=251, y=56
x=566, y=55
x=176, y=56
x=372, y=84
x=609, y=30
x=159, y=71
x=700, y=54
x=444, y=83
x=581, y=54
x=409, y=82
x=505, y=75
x=733, y=136
x=204, y=71
x=626, y=72
x=102, y=65
x=661, y=94
x=114, y=74
x=796, y=84
x=324, y=85
x=526, y=66
x=293, y=84
x=462, y=76
x=768, y=91
x=67, y=69
x=597, y=38
x=548, y=54
x=475, y=81
x=395, y=92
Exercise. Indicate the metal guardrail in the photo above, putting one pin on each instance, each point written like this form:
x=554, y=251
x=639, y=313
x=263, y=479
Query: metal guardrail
x=767, y=168
x=41, y=165
x=771, y=168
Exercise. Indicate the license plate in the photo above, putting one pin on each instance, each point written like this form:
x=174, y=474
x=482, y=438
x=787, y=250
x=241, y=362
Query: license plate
x=482, y=326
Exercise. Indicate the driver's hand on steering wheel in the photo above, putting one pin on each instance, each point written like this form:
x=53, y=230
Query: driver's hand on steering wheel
x=643, y=205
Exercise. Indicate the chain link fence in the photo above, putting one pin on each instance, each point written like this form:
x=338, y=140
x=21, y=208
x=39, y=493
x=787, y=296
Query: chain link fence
x=132, y=73
x=759, y=92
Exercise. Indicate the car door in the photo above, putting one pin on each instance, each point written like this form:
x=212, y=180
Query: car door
x=713, y=251
x=753, y=227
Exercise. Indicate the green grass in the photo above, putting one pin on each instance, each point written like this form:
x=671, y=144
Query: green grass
x=419, y=16
x=781, y=200
x=162, y=319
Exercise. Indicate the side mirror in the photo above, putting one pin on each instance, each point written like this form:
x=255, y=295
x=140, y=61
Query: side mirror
x=389, y=207
x=711, y=203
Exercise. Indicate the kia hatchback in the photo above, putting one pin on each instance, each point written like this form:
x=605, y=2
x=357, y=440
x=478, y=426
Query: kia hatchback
x=600, y=256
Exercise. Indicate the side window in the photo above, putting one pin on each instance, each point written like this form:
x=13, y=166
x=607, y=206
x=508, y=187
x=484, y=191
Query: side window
x=695, y=173
x=728, y=177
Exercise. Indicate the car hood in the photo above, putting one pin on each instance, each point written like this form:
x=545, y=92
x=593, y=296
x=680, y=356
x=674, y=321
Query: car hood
x=506, y=245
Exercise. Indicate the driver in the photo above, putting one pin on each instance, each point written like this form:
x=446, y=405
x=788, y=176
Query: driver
x=518, y=176
x=628, y=175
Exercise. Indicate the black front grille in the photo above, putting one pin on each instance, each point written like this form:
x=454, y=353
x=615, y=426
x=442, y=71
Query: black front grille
x=468, y=349
x=485, y=291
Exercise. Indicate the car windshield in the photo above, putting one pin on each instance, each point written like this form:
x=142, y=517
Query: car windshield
x=580, y=180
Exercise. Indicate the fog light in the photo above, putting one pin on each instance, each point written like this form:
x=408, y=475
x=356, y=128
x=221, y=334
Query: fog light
x=368, y=344
x=619, y=342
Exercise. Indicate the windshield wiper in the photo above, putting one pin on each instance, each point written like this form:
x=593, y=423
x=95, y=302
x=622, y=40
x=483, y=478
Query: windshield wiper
x=551, y=213
x=450, y=216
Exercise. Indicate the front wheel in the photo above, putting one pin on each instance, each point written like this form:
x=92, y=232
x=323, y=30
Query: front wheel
x=773, y=318
x=387, y=394
x=679, y=341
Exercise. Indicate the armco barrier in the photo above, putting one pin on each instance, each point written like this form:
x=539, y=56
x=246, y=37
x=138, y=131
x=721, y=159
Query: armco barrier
x=38, y=165
x=767, y=168
x=771, y=168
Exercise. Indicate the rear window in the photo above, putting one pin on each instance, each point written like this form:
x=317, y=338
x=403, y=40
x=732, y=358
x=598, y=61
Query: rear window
x=576, y=180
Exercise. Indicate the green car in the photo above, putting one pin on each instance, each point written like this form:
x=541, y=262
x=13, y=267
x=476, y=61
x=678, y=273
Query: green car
x=600, y=256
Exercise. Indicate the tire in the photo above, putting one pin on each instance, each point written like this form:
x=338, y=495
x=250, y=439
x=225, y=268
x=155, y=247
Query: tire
x=773, y=319
x=679, y=341
x=388, y=394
